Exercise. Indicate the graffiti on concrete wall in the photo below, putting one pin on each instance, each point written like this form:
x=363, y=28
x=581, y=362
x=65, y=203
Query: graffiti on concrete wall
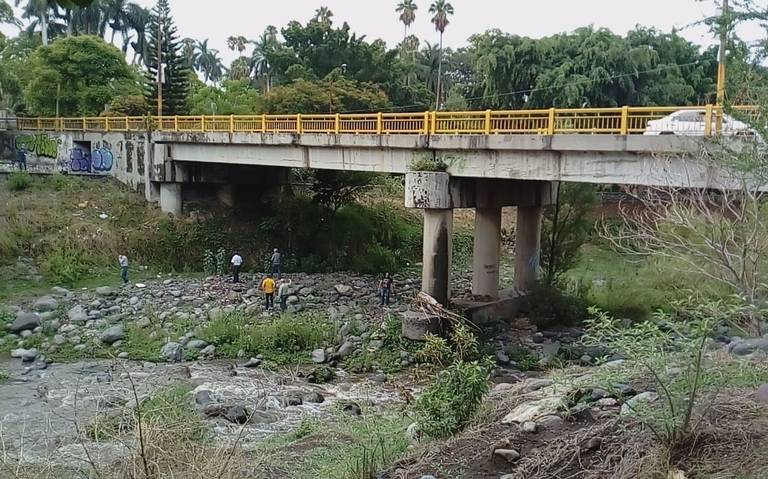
x=40, y=145
x=83, y=160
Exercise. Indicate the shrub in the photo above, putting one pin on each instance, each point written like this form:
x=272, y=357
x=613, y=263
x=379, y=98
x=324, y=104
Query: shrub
x=671, y=355
x=452, y=399
x=66, y=264
x=429, y=163
x=19, y=181
x=284, y=339
x=547, y=306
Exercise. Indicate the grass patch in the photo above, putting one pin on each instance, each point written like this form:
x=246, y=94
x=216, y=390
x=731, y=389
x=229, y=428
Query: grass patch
x=285, y=339
x=386, y=357
x=19, y=181
x=345, y=448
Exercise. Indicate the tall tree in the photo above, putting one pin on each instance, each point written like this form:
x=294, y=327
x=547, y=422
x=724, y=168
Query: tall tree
x=138, y=19
x=174, y=75
x=208, y=62
x=237, y=43
x=38, y=11
x=6, y=13
x=407, y=10
x=441, y=10
x=263, y=48
x=323, y=15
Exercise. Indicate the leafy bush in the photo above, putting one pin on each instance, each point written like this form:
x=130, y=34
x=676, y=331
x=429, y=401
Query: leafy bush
x=66, y=264
x=284, y=339
x=387, y=358
x=19, y=181
x=671, y=355
x=429, y=163
x=451, y=400
x=548, y=306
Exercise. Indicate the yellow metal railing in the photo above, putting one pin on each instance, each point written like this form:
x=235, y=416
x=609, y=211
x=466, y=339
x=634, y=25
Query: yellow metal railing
x=618, y=121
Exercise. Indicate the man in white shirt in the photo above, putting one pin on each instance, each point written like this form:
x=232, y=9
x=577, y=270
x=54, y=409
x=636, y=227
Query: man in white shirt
x=123, y=260
x=237, y=261
x=282, y=293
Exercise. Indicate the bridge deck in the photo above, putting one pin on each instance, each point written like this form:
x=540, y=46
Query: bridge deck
x=613, y=121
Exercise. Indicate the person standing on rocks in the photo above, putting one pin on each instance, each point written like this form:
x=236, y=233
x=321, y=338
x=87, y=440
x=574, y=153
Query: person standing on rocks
x=123, y=261
x=237, y=262
x=385, y=289
x=282, y=293
x=277, y=261
x=268, y=286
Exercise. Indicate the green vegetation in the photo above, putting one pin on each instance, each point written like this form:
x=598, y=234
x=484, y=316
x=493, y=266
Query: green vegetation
x=282, y=340
x=19, y=180
x=389, y=356
x=345, y=448
x=673, y=357
x=449, y=402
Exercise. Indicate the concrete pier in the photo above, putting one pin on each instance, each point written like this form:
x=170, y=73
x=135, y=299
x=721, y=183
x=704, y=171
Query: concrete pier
x=170, y=198
x=487, y=249
x=527, y=245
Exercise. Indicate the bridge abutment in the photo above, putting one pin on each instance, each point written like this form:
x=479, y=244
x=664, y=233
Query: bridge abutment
x=487, y=251
x=527, y=245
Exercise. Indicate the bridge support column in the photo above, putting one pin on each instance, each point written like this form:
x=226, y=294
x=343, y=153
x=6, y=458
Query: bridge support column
x=437, y=254
x=430, y=191
x=170, y=198
x=527, y=245
x=226, y=195
x=487, y=248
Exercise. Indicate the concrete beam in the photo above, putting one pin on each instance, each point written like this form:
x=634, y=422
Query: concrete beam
x=487, y=251
x=527, y=246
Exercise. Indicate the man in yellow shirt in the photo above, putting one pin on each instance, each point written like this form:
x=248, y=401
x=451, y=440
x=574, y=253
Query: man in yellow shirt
x=268, y=286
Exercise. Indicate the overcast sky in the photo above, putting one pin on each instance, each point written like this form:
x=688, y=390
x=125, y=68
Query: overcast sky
x=217, y=20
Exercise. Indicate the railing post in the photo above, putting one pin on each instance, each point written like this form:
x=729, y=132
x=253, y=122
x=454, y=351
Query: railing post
x=202, y=123
x=433, y=123
x=426, y=123
x=624, y=120
x=337, y=123
x=708, y=121
x=106, y=122
x=487, y=122
x=231, y=123
x=175, y=122
x=551, y=122
x=39, y=124
x=379, y=123
x=263, y=122
x=298, y=123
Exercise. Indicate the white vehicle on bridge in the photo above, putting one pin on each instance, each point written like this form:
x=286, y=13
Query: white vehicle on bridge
x=693, y=123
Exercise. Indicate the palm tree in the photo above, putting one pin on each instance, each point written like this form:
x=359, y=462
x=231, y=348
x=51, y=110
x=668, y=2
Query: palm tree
x=38, y=10
x=6, y=13
x=441, y=10
x=323, y=15
x=115, y=13
x=137, y=18
x=407, y=10
x=237, y=43
x=189, y=52
x=208, y=62
x=263, y=47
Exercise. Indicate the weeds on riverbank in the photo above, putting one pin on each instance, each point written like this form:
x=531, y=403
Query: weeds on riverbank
x=283, y=339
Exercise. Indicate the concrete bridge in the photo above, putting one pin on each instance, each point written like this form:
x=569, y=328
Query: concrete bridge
x=490, y=160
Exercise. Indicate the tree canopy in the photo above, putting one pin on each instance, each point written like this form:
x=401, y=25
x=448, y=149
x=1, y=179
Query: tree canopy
x=82, y=74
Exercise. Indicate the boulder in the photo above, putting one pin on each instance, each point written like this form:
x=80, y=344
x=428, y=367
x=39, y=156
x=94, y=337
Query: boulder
x=343, y=289
x=314, y=398
x=748, y=346
x=352, y=409
x=318, y=356
x=762, y=393
x=105, y=291
x=509, y=455
x=196, y=344
x=113, y=334
x=530, y=411
x=416, y=325
x=633, y=402
x=171, y=351
x=59, y=291
x=209, y=350
x=25, y=321
x=77, y=315
x=236, y=414
x=46, y=303
x=345, y=349
x=252, y=363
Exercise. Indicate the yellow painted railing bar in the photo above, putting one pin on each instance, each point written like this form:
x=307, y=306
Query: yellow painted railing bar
x=298, y=123
x=337, y=123
x=624, y=120
x=551, y=122
x=708, y=121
